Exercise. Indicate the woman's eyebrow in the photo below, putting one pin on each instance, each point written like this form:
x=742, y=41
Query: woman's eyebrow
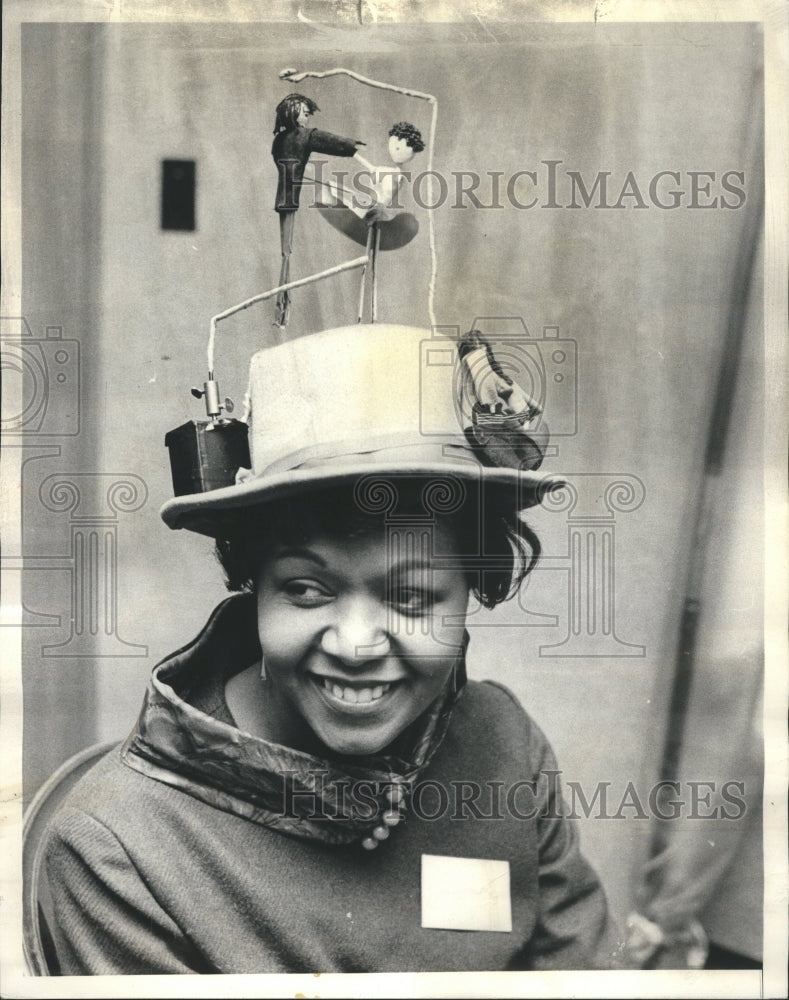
x=297, y=553
x=412, y=565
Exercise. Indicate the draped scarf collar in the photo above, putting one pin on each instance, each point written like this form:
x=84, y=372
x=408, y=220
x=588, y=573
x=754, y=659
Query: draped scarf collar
x=333, y=801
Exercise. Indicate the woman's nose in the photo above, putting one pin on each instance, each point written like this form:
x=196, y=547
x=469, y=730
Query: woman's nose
x=358, y=633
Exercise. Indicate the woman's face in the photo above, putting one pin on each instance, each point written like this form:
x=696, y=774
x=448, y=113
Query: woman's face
x=358, y=637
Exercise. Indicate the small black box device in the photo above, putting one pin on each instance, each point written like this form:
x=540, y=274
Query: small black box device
x=206, y=455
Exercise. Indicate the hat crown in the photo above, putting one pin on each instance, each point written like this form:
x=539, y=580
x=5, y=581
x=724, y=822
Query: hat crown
x=349, y=390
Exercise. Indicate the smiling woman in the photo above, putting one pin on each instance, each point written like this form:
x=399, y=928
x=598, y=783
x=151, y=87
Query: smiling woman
x=324, y=710
x=359, y=630
x=344, y=673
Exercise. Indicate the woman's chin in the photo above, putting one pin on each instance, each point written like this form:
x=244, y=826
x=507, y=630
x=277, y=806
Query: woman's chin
x=357, y=745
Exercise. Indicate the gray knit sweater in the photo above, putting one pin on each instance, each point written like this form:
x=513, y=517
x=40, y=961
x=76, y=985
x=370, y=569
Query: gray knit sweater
x=156, y=876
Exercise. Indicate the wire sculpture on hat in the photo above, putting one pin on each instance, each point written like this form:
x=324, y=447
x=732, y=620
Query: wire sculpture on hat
x=296, y=76
x=373, y=241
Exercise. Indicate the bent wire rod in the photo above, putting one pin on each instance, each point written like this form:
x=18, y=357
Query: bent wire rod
x=296, y=76
x=348, y=265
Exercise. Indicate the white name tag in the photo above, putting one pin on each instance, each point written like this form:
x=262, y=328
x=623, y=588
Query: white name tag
x=466, y=894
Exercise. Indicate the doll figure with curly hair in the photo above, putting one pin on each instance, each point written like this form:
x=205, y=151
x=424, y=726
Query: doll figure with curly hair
x=405, y=141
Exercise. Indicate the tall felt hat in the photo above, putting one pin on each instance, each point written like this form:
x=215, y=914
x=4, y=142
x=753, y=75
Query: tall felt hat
x=377, y=399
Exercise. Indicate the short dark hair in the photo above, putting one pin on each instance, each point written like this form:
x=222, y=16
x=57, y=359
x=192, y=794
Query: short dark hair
x=411, y=134
x=288, y=110
x=497, y=546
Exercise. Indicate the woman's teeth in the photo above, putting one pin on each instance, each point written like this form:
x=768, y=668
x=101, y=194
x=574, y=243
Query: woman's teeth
x=356, y=696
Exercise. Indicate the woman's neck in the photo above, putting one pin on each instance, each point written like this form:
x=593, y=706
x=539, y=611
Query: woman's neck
x=257, y=710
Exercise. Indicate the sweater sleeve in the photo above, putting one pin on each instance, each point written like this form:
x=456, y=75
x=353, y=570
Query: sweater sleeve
x=105, y=919
x=334, y=145
x=574, y=927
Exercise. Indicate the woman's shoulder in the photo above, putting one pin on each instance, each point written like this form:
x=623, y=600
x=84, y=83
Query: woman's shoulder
x=492, y=696
x=109, y=786
x=111, y=795
x=493, y=714
x=84, y=822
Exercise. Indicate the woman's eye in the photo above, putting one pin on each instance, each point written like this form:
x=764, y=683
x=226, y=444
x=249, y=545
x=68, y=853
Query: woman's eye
x=306, y=593
x=413, y=601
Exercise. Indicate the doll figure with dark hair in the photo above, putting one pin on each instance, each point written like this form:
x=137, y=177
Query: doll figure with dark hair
x=294, y=143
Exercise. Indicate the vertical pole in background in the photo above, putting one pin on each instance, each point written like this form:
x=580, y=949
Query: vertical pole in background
x=715, y=451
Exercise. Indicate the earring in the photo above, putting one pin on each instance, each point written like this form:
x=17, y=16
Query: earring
x=263, y=674
x=458, y=680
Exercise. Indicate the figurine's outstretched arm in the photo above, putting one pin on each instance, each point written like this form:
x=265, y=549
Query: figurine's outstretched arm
x=365, y=163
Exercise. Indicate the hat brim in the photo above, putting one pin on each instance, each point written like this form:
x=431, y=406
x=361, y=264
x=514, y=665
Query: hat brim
x=209, y=513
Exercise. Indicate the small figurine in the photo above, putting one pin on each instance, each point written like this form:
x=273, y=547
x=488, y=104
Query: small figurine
x=506, y=421
x=366, y=215
x=404, y=142
x=293, y=144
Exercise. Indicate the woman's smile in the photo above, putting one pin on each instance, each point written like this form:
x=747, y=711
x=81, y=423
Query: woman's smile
x=353, y=694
